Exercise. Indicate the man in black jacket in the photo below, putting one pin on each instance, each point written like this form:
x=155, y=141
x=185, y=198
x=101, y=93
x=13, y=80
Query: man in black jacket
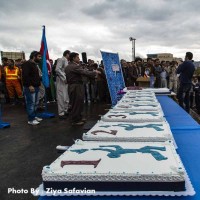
x=186, y=71
x=74, y=73
x=31, y=81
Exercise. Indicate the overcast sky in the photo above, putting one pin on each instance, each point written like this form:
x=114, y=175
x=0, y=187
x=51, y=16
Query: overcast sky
x=159, y=26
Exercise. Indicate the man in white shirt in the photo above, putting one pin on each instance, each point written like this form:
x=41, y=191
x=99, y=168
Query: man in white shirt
x=62, y=86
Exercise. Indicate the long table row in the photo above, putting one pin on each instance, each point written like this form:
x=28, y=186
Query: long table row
x=187, y=135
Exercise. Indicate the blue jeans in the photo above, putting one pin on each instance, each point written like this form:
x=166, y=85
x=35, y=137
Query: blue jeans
x=183, y=95
x=31, y=102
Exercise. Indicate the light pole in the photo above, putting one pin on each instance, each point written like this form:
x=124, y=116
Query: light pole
x=133, y=47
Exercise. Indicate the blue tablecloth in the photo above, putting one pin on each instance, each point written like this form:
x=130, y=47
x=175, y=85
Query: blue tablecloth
x=177, y=117
x=188, y=142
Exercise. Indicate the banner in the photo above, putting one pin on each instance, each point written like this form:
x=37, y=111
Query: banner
x=114, y=75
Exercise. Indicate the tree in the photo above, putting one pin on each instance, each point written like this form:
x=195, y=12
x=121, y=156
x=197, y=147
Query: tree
x=197, y=72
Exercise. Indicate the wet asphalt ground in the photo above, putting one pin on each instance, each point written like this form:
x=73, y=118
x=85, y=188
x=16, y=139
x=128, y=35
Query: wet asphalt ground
x=25, y=149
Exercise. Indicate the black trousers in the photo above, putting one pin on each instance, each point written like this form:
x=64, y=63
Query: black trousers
x=103, y=92
x=76, y=101
x=197, y=101
x=183, y=96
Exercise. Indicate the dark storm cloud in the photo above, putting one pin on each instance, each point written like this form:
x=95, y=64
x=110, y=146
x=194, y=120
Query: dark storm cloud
x=84, y=25
x=128, y=9
x=155, y=20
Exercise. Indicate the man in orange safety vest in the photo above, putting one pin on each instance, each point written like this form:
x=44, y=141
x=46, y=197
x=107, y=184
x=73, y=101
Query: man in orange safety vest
x=13, y=82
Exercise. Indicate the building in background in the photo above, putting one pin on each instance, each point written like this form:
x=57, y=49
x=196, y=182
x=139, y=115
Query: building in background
x=164, y=56
x=13, y=55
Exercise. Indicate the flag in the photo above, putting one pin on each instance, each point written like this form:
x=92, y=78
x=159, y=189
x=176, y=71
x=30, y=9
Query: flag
x=46, y=65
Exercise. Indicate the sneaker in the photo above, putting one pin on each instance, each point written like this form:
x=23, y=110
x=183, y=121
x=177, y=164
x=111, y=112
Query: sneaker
x=34, y=122
x=77, y=123
x=38, y=119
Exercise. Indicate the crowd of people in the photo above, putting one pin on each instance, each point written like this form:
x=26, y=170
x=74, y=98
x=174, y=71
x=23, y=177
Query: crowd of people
x=163, y=72
x=178, y=77
x=77, y=83
x=21, y=83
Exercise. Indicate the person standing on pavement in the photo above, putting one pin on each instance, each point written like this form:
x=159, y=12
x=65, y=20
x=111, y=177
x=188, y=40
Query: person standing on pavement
x=31, y=83
x=3, y=79
x=132, y=74
x=157, y=72
x=173, y=79
x=197, y=95
x=186, y=71
x=13, y=82
x=62, y=86
x=74, y=72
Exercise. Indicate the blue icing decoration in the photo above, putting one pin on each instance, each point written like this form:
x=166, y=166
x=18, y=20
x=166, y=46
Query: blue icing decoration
x=119, y=151
x=150, y=113
x=79, y=151
x=130, y=127
x=105, y=126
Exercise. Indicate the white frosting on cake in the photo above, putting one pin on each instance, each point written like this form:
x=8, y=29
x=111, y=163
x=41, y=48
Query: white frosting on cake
x=133, y=116
x=141, y=98
x=138, y=90
x=116, y=166
x=138, y=106
x=140, y=94
x=160, y=90
x=155, y=90
x=136, y=101
x=121, y=131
